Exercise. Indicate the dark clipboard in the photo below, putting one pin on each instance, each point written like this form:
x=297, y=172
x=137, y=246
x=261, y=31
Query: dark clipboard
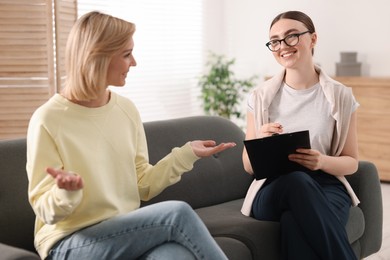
x=269, y=155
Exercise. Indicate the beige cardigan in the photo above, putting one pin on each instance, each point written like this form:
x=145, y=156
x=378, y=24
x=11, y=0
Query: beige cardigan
x=341, y=99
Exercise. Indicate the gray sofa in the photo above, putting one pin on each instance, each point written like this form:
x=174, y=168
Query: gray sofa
x=215, y=188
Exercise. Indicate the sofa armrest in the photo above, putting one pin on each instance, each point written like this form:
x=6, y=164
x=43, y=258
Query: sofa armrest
x=366, y=184
x=14, y=253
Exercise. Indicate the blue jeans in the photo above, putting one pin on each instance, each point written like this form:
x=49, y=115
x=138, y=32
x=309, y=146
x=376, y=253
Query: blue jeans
x=166, y=230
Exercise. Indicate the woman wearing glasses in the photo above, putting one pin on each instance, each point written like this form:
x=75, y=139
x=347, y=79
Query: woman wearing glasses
x=312, y=206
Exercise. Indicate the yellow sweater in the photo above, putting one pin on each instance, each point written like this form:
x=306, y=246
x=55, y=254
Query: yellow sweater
x=104, y=145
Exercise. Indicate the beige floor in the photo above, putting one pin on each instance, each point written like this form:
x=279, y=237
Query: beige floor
x=384, y=252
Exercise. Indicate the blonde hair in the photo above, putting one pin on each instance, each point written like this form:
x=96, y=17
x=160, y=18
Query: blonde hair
x=93, y=40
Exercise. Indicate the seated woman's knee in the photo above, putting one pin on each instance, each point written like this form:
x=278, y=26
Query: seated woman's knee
x=297, y=179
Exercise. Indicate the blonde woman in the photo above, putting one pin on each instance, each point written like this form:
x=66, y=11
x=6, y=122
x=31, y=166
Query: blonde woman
x=87, y=163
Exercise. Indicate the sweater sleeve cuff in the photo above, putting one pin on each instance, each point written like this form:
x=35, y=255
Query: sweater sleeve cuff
x=68, y=199
x=186, y=155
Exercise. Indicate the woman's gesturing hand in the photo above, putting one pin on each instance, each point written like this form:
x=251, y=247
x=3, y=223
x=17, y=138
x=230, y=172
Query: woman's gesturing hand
x=209, y=147
x=66, y=180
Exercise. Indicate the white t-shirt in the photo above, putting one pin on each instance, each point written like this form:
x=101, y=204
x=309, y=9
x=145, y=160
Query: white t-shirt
x=306, y=109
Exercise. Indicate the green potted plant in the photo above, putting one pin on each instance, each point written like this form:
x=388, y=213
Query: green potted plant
x=222, y=92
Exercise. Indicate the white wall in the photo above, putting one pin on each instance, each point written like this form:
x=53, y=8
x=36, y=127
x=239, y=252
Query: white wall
x=239, y=29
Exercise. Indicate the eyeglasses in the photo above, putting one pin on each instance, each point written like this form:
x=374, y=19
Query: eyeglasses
x=290, y=40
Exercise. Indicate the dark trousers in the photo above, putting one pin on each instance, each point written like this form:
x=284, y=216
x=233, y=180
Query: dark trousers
x=312, y=209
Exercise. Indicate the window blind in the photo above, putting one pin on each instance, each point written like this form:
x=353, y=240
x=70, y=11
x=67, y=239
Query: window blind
x=27, y=60
x=168, y=51
x=65, y=17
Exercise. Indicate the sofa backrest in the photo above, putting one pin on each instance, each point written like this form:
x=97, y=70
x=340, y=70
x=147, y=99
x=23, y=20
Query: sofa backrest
x=213, y=180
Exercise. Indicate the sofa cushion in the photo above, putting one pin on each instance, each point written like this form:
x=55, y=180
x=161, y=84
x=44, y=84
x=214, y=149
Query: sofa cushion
x=226, y=220
x=13, y=253
x=233, y=248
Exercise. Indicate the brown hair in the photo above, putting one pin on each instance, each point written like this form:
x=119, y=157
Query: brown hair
x=298, y=16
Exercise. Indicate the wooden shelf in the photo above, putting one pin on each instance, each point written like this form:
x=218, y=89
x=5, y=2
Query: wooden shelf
x=373, y=95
